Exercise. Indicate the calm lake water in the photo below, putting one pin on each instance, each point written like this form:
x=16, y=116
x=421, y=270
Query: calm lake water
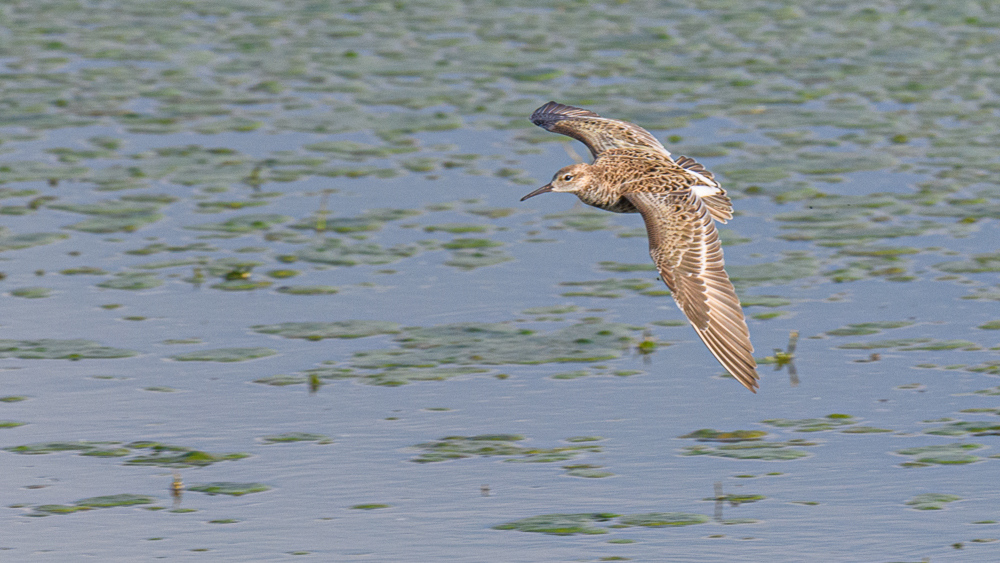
x=268, y=292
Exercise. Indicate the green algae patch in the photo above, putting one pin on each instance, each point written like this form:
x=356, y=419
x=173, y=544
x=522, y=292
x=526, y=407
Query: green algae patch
x=243, y=224
x=132, y=281
x=9, y=241
x=307, y=290
x=336, y=329
x=497, y=344
x=579, y=219
x=370, y=506
x=99, y=449
x=663, y=519
x=709, y=435
x=225, y=355
x=765, y=301
x=51, y=349
x=950, y=454
x=289, y=437
x=610, y=288
x=586, y=471
x=110, y=501
x=764, y=451
x=861, y=329
x=472, y=258
x=551, y=310
x=11, y=424
x=964, y=428
x=228, y=488
x=931, y=501
x=165, y=455
x=32, y=292
x=457, y=228
x=865, y=430
x=490, y=445
x=337, y=252
x=560, y=524
x=830, y=422
x=392, y=377
x=913, y=344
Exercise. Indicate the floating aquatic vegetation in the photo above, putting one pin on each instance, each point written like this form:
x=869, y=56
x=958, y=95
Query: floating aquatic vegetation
x=110, y=501
x=471, y=258
x=53, y=349
x=336, y=252
x=157, y=247
x=579, y=219
x=225, y=355
x=9, y=241
x=586, y=523
x=794, y=265
x=11, y=424
x=963, y=428
x=660, y=519
x=931, y=501
x=766, y=451
x=392, y=377
x=551, y=310
x=587, y=471
x=830, y=422
x=228, y=488
x=860, y=329
x=977, y=264
x=132, y=281
x=949, y=454
x=83, y=271
x=163, y=455
x=560, y=524
x=288, y=437
x=709, y=435
x=489, y=445
x=457, y=228
x=31, y=292
x=609, y=288
x=497, y=344
x=371, y=506
x=243, y=224
x=307, y=290
x=619, y=267
x=335, y=329
x=913, y=344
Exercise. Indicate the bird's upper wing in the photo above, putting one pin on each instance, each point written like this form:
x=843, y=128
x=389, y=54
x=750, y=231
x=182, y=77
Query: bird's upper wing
x=684, y=244
x=598, y=133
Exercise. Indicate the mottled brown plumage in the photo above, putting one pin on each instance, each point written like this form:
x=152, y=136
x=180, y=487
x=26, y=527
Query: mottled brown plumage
x=679, y=201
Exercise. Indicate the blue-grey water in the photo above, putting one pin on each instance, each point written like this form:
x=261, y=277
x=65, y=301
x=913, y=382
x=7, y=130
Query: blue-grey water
x=866, y=200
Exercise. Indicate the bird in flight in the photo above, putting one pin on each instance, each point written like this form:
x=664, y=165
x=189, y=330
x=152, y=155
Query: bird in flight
x=680, y=202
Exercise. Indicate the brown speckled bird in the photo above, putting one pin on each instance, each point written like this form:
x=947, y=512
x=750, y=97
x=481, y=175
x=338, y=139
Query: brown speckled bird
x=679, y=201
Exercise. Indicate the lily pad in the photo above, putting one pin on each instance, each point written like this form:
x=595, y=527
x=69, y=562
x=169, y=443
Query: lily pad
x=225, y=355
x=228, y=488
x=335, y=329
x=931, y=501
x=949, y=454
x=289, y=437
x=51, y=349
x=560, y=524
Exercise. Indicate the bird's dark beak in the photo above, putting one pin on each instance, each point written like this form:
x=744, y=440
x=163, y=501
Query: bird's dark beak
x=544, y=189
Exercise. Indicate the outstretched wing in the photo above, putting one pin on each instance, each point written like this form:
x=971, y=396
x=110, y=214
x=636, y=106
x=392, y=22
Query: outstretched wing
x=684, y=244
x=598, y=133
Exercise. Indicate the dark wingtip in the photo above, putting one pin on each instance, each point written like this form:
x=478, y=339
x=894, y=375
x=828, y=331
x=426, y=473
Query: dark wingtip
x=554, y=111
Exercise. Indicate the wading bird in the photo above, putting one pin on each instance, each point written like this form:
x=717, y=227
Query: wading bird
x=679, y=201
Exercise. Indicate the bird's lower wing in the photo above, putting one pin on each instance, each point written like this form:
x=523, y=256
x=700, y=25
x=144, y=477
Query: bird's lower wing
x=684, y=245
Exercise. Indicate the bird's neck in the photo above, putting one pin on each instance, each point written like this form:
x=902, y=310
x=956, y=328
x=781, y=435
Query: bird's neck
x=597, y=192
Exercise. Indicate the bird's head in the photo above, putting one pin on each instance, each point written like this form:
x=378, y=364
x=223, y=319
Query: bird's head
x=571, y=179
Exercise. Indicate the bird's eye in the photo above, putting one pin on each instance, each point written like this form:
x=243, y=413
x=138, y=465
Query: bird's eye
x=567, y=177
